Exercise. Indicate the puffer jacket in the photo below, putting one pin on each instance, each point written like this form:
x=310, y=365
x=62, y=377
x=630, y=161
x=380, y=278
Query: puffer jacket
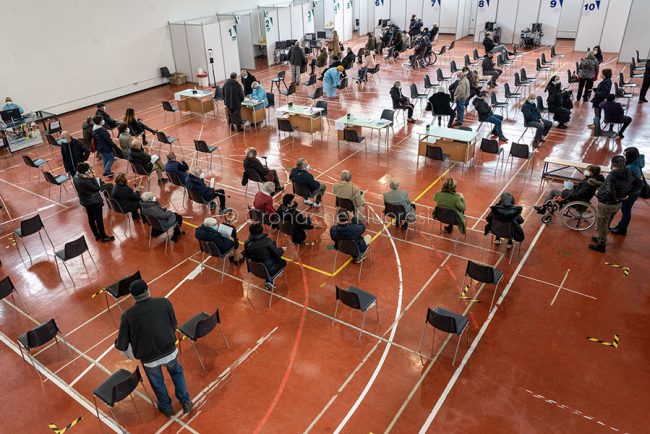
x=531, y=112
x=260, y=248
x=506, y=215
x=197, y=185
x=637, y=166
x=128, y=199
x=482, y=108
x=585, y=190
x=618, y=184
x=153, y=209
x=349, y=231
x=138, y=156
x=297, y=56
x=204, y=233
x=303, y=177
x=88, y=190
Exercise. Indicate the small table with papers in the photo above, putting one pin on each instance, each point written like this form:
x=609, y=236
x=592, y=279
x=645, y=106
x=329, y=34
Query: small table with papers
x=358, y=122
x=458, y=144
x=306, y=119
x=195, y=101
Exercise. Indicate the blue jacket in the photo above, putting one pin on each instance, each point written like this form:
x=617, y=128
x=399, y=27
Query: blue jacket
x=259, y=94
x=204, y=233
x=604, y=88
x=178, y=168
x=636, y=167
x=13, y=106
x=103, y=142
x=197, y=185
x=531, y=113
x=350, y=231
x=302, y=177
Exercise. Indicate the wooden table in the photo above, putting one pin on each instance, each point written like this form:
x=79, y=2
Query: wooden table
x=458, y=144
x=199, y=102
x=306, y=119
x=253, y=111
x=358, y=122
x=565, y=169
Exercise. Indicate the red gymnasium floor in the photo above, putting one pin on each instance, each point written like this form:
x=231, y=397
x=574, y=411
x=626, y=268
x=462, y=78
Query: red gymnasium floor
x=528, y=366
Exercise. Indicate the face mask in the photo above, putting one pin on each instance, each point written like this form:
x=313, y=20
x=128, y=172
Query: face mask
x=202, y=175
x=65, y=141
x=531, y=100
x=308, y=167
x=587, y=173
x=9, y=101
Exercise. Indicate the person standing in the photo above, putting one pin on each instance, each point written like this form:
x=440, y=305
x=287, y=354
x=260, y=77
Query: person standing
x=336, y=45
x=148, y=332
x=617, y=187
x=586, y=75
x=109, y=122
x=400, y=101
x=460, y=96
x=233, y=95
x=247, y=80
x=73, y=152
x=604, y=88
x=87, y=131
x=635, y=162
x=103, y=145
x=88, y=188
x=371, y=45
x=646, y=83
x=296, y=59
x=332, y=80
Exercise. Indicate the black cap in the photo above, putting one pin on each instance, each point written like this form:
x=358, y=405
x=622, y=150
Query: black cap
x=138, y=287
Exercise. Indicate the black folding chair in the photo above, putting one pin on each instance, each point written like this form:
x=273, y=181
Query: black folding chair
x=435, y=153
x=198, y=326
x=37, y=337
x=357, y=299
x=29, y=227
x=156, y=225
x=71, y=250
x=277, y=80
x=258, y=269
x=7, y=289
x=120, y=289
x=169, y=108
x=505, y=230
x=285, y=126
x=489, y=146
x=449, y=218
x=398, y=214
x=350, y=248
x=200, y=146
x=165, y=139
x=447, y=322
x=212, y=250
x=58, y=180
x=481, y=273
x=350, y=135
x=36, y=164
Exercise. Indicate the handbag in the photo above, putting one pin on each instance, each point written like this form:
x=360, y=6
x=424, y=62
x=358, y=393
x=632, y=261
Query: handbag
x=645, y=190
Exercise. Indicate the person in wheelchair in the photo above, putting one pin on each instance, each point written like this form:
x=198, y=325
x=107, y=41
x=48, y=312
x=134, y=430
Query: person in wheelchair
x=418, y=53
x=582, y=192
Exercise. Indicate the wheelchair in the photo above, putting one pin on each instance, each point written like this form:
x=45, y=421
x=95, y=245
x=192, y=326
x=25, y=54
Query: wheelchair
x=577, y=215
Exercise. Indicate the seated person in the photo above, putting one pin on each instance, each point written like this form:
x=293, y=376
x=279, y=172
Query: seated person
x=252, y=163
x=260, y=248
x=395, y=196
x=259, y=94
x=300, y=224
x=505, y=211
x=615, y=113
x=348, y=59
x=136, y=126
x=150, y=163
x=400, y=101
x=264, y=201
x=350, y=229
x=300, y=175
x=474, y=85
x=321, y=59
x=10, y=105
x=555, y=104
x=109, y=122
x=346, y=190
x=208, y=232
x=125, y=138
x=177, y=168
x=418, y=52
x=448, y=198
x=492, y=47
x=368, y=63
x=491, y=70
x=194, y=182
x=582, y=191
x=533, y=118
x=128, y=198
x=168, y=219
x=485, y=114
x=440, y=105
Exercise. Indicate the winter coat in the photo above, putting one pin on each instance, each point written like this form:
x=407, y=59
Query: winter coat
x=506, y=215
x=299, y=223
x=254, y=164
x=297, y=56
x=166, y=218
x=349, y=231
x=614, y=111
x=483, y=109
x=206, y=234
x=103, y=141
x=603, y=89
x=260, y=248
x=531, y=112
x=584, y=191
x=487, y=65
x=88, y=190
x=178, y=168
x=371, y=45
x=587, y=68
x=454, y=202
x=197, y=185
x=303, y=177
x=462, y=91
x=233, y=95
x=138, y=156
x=248, y=83
x=72, y=154
x=400, y=197
x=263, y=202
x=441, y=103
x=618, y=185
x=399, y=100
x=128, y=199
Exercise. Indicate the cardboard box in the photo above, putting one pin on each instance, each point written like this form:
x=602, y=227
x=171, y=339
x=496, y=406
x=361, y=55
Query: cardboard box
x=178, y=78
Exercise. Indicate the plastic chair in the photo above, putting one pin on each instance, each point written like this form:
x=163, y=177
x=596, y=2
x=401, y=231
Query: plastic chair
x=447, y=322
x=285, y=126
x=505, y=230
x=29, y=227
x=37, y=337
x=155, y=224
x=419, y=97
x=484, y=274
x=258, y=269
x=449, y=218
x=71, y=250
x=350, y=135
x=120, y=289
x=141, y=171
x=165, y=139
x=211, y=249
x=428, y=86
x=200, y=146
x=7, y=289
x=115, y=207
x=357, y=299
x=398, y=214
x=350, y=248
x=201, y=325
x=489, y=146
x=441, y=77
x=58, y=180
x=435, y=153
x=279, y=79
x=36, y=164
x=169, y=108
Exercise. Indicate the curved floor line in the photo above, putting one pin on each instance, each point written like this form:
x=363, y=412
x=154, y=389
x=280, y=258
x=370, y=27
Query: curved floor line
x=384, y=355
x=292, y=357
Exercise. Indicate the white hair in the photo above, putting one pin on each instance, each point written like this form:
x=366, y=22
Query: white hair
x=148, y=196
x=210, y=222
x=269, y=187
x=196, y=171
x=346, y=176
x=394, y=184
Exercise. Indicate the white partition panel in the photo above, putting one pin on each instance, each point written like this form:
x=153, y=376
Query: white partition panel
x=297, y=29
x=460, y=20
x=507, y=17
x=348, y=20
x=197, y=50
x=245, y=42
x=487, y=11
x=398, y=13
x=430, y=12
x=269, y=19
x=308, y=18
x=328, y=6
x=382, y=9
x=179, y=48
x=590, y=28
x=257, y=24
x=636, y=32
x=284, y=23
x=448, y=16
x=569, y=19
x=229, y=46
x=416, y=7
x=212, y=38
x=617, y=15
x=319, y=16
x=338, y=18
x=549, y=15
x=527, y=13
x=365, y=25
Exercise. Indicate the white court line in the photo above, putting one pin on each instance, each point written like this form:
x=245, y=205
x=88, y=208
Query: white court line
x=459, y=370
x=63, y=386
x=85, y=371
x=553, y=284
x=559, y=288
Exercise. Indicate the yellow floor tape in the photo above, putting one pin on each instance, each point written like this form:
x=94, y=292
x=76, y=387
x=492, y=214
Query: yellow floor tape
x=626, y=270
x=67, y=427
x=613, y=343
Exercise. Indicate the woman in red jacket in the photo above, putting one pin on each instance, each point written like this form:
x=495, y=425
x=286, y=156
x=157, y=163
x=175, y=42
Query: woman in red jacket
x=264, y=201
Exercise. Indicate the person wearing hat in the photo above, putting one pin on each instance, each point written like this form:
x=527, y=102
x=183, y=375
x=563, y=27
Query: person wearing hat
x=350, y=229
x=332, y=80
x=148, y=333
x=10, y=105
x=108, y=120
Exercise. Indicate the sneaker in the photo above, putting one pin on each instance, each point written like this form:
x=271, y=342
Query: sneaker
x=225, y=211
x=642, y=100
x=213, y=205
x=187, y=406
x=307, y=202
x=509, y=245
x=449, y=229
x=497, y=241
x=166, y=412
x=597, y=247
x=594, y=239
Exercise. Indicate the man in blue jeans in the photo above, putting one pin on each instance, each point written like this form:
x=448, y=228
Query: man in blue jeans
x=148, y=333
x=103, y=144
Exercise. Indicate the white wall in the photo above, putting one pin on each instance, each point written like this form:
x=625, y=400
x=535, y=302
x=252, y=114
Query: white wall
x=308, y=18
x=527, y=13
x=228, y=45
x=636, y=32
x=95, y=50
x=398, y=13
x=569, y=19
x=245, y=41
x=617, y=14
x=448, y=15
x=319, y=16
x=487, y=11
x=348, y=20
x=507, y=18
x=549, y=16
x=284, y=23
x=297, y=26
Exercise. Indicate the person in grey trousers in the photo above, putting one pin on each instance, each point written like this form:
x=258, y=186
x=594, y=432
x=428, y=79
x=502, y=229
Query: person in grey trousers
x=296, y=59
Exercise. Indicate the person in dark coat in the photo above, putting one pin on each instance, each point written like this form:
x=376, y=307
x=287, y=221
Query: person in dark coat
x=554, y=101
x=635, y=162
x=247, y=80
x=194, y=182
x=208, y=232
x=491, y=70
x=400, y=101
x=253, y=164
x=505, y=211
x=533, y=119
x=350, y=229
x=88, y=188
x=646, y=83
x=300, y=175
x=136, y=126
x=103, y=145
x=300, y=224
x=137, y=155
x=297, y=60
x=260, y=248
x=73, y=152
x=178, y=168
x=618, y=186
x=604, y=88
x=128, y=198
x=87, y=131
x=109, y=122
x=615, y=113
x=348, y=59
x=336, y=62
x=583, y=191
x=440, y=105
x=485, y=114
x=167, y=219
x=233, y=95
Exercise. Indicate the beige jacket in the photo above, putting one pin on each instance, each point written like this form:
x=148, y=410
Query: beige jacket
x=462, y=90
x=347, y=190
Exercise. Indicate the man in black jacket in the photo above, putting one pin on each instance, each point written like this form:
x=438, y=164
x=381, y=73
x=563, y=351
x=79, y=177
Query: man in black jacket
x=350, y=229
x=533, y=119
x=618, y=185
x=401, y=102
x=440, y=105
x=296, y=59
x=260, y=248
x=73, y=152
x=209, y=232
x=603, y=89
x=583, y=191
x=247, y=80
x=148, y=333
x=300, y=175
x=485, y=114
x=103, y=145
x=109, y=122
x=646, y=82
x=233, y=95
